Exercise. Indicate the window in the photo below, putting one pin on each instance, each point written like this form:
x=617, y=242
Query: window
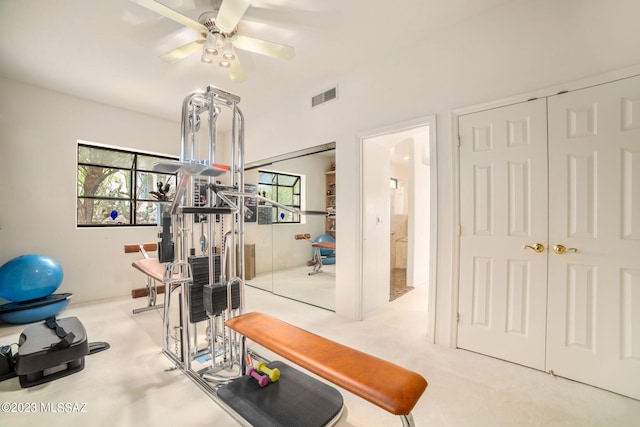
x=116, y=186
x=284, y=189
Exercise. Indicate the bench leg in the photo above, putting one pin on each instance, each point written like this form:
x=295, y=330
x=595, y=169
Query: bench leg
x=152, y=295
x=317, y=258
x=407, y=420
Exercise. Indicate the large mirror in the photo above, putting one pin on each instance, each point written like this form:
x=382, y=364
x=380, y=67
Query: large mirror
x=287, y=254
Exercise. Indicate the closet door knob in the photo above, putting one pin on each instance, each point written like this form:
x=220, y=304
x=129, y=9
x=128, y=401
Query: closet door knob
x=538, y=247
x=561, y=249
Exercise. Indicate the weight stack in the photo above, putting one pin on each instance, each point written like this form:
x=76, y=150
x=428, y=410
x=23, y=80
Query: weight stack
x=235, y=296
x=200, y=271
x=215, y=298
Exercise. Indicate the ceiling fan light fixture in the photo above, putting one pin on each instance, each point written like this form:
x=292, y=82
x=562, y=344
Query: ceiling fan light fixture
x=218, y=36
x=227, y=51
x=210, y=46
x=219, y=40
x=207, y=57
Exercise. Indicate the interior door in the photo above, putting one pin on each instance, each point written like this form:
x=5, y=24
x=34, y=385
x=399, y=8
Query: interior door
x=503, y=256
x=377, y=225
x=594, y=199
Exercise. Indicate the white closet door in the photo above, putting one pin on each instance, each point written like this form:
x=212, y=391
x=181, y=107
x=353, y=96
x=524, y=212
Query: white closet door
x=503, y=202
x=594, y=207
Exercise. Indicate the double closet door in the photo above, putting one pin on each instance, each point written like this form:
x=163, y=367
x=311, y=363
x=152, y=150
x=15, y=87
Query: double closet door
x=550, y=234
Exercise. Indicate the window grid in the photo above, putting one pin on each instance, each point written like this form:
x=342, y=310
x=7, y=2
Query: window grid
x=134, y=201
x=284, y=189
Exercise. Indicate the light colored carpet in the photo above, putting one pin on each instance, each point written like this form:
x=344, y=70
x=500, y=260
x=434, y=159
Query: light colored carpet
x=129, y=385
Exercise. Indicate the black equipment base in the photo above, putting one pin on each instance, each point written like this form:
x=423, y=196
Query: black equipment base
x=295, y=400
x=38, y=361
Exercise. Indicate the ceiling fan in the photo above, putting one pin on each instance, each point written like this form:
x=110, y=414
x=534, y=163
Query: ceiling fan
x=218, y=36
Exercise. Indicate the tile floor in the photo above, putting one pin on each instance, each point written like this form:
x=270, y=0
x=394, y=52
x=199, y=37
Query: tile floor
x=398, y=283
x=131, y=384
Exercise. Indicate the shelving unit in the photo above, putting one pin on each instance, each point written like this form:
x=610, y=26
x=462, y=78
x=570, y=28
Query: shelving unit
x=330, y=190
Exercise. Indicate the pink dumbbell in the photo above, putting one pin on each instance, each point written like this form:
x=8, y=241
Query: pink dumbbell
x=263, y=380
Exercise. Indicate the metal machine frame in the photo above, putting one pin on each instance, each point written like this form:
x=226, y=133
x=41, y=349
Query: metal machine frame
x=221, y=356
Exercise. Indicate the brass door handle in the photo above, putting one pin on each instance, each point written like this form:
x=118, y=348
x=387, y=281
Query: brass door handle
x=538, y=247
x=561, y=249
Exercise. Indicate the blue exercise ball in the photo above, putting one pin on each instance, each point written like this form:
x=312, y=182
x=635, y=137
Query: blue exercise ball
x=29, y=277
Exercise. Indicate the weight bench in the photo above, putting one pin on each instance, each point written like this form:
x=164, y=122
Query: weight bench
x=316, y=260
x=317, y=255
x=153, y=269
x=389, y=386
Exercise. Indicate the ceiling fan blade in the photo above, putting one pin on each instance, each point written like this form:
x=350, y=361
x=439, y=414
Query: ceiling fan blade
x=171, y=14
x=264, y=47
x=182, y=51
x=230, y=13
x=236, y=72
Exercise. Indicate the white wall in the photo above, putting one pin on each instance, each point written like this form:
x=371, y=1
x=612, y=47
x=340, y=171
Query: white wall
x=38, y=134
x=517, y=48
x=420, y=216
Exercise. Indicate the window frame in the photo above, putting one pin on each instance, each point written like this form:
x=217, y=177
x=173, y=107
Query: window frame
x=133, y=200
x=296, y=218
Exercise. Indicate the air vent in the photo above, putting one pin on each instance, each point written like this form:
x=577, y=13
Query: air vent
x=325, y=96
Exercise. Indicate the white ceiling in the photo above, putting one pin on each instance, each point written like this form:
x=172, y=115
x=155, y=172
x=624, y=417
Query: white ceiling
x=107, y=50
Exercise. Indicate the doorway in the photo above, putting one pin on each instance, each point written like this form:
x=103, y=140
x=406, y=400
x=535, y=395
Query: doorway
x=398, y=205
x=407, y=209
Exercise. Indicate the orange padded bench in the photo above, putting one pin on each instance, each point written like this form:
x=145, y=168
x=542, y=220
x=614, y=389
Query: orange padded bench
x=151, y=267
x=389, y=386
x=154, y=271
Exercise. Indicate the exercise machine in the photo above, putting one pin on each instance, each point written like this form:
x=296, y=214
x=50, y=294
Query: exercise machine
x=202, y=247
x=205, y=330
